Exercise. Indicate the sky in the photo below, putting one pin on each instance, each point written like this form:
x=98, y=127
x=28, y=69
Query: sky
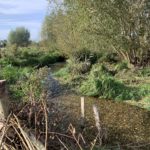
x=17, y=13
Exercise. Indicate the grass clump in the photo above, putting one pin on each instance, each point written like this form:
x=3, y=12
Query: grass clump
x=144, y=72
x=101, y=83
x=30, y=88
x=62, y=73
x=121, y=66
x=23, y=82
x=13, y=74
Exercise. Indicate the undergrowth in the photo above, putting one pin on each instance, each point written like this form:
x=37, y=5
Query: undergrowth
x=23, y=82
x=30, y=56
x=101, y=83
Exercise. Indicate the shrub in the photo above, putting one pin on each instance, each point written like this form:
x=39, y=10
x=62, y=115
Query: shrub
x=108, y=57
x=29, y=88
x=13, y=74
x=145, y=72
x=63, y=73
x=122, y=65
x=84, y=54
x=100, y=83
x=32, y=57
x=49, y=58
x=76, y=67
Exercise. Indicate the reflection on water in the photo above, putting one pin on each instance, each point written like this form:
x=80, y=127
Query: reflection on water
x=55, y=67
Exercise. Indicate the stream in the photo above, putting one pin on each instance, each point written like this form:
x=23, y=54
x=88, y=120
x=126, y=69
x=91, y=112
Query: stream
x=123, y=122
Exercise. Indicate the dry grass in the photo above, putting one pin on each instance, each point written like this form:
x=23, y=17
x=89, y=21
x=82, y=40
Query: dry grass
x=39, y=126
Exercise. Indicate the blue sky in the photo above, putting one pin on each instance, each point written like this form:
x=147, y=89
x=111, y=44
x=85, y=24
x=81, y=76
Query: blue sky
x=27, y=13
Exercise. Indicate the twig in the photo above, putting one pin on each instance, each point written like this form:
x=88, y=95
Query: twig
x=72, y=130
x=46, y=124
x=4, y=130
x=62, y=143
x=94, y=142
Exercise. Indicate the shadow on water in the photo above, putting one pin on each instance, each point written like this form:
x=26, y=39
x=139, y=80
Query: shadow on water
x=57, y=66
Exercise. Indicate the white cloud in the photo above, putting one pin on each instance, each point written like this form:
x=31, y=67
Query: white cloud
x=10, y=9
x=22, y=6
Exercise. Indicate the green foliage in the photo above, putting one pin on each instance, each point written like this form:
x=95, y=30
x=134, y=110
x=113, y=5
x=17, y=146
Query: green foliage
x=31, y=56
x=85, y=55
x=122, y=65
x=13, y=74
x=109, y=57
x=3, y=43
x=31, y=88
x=63, y=74
x=26, y=84
x=145, y=72
x=20, y=67
x=50, y=58
x=101, y=26
x=77, y=67
x=100, y=83
x=20, y=36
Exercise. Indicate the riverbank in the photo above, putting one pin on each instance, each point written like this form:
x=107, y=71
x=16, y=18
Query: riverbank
x=46, y=93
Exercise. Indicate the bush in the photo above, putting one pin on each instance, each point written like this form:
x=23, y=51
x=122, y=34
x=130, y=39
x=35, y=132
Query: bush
x=145, y=72
x=85, y=55
x=63, y=73
x=108, y=57
x=76, y=67
x=121, y=66
x=100, y=83
x=49, y=58
x=29, y=88
x=32, y=57
x=13, y=74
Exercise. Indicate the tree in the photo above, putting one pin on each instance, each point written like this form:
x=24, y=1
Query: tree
x=3, y=43
x=98, y=25
x=20, y=36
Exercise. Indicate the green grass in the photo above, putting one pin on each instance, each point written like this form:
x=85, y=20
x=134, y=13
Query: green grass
x=101, y=83
x=144, y=72
x=13, y=74
x=63, y=73
x=20, y=68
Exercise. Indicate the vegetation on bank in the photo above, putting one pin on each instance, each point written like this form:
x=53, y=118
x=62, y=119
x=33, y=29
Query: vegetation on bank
x=106, y=44
x=110, y=81
x=97, y=35
x=24, y=67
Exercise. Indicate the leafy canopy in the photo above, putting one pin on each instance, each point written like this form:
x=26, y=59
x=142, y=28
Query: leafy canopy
x=20, y=36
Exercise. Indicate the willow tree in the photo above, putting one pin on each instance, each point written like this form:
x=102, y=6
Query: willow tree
x=62, y=29
x=114, y=25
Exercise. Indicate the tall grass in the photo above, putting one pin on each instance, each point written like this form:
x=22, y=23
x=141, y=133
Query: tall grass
x=102, y=84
